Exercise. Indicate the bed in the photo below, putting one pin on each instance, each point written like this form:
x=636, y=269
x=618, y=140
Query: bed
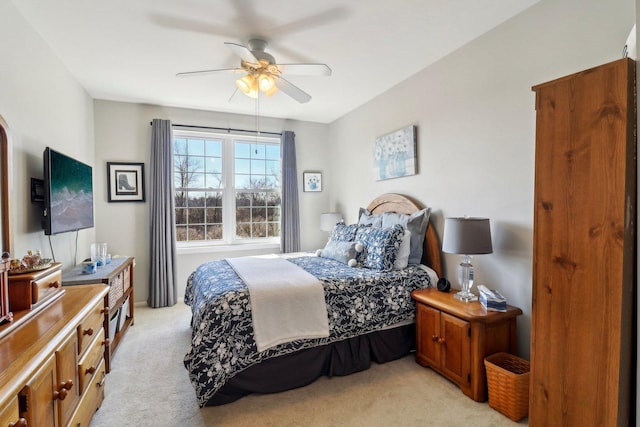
x=370, y=318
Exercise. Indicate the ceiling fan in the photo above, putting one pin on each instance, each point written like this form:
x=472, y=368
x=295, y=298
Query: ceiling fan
x=263, y=74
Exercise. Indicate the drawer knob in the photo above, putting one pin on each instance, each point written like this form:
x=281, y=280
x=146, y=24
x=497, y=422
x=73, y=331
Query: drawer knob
x=90, y=370
x=438, y=340
x=88, y=332
x=60, y=395
x=104, y=310
x=55, y=284
x=20, y=423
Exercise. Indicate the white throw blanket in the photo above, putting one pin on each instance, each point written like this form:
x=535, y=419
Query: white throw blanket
x=287, y=303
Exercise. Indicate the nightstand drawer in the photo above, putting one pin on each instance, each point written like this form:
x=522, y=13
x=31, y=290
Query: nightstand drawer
x=88, y=365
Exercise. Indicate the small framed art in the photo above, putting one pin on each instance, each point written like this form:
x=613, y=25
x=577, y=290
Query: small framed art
x=312, y=181
x=125, y=182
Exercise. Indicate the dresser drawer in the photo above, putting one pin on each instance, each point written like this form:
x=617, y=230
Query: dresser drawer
x=26, y=290
x=90, y=327
x=9, y=413
x=45, y=287
x=88, y=365
x=91, y=399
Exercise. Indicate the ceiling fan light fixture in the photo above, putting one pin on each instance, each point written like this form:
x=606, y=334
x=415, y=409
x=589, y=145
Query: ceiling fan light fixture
x=271, y=91
x=266, y=82
x=248, y=85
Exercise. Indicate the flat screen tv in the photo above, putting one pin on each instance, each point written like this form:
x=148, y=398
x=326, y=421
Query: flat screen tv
x=68, y=193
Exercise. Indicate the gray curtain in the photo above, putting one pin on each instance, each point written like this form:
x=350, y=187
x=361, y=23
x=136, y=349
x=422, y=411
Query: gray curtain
x=290, y=215
x=162, y=278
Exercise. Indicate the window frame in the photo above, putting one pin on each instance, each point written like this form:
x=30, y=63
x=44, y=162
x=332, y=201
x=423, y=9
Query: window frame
x=228, y=190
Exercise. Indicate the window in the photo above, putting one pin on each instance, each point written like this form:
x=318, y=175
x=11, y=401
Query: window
x=227, y=188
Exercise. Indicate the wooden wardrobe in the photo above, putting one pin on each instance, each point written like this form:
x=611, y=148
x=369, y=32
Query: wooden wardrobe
x=582, y=317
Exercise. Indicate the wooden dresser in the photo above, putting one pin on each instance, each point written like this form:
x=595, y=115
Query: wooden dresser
x=118, y=274
x=584, y=263
x=52, y=369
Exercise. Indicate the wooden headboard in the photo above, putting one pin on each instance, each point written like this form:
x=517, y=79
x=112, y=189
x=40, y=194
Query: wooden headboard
x=391, y=202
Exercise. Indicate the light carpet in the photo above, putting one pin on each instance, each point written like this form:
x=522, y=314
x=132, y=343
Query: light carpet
x=149, y=386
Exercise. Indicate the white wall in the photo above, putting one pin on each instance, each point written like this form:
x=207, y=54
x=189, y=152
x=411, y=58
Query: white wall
x=475, y=114
x=43, y=105
x=123, y=133
x=476, y=130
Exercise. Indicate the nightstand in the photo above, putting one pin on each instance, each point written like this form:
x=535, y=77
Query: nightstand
x=454, y=337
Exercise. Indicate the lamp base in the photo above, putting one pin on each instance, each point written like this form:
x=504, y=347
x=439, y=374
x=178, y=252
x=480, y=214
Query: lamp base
x=466, y=296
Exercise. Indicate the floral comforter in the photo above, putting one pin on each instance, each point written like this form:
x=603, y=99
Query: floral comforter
x=358, y=301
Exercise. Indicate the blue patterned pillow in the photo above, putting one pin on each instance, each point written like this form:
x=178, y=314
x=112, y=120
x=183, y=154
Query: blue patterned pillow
x=380, y=246
x=344, y=233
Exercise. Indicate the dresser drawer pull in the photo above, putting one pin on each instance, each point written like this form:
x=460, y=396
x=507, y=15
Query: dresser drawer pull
x=54, y=285
x=20, y=423
x=104, y=310
x=60, y=395
x=101, y=383
x=90, y=370
x=64, y=390
x=88, y=332
x=438, y=340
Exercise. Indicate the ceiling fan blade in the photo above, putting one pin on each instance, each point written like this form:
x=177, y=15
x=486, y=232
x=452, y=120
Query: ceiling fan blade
x=305, y=69
x=292, y=90
x=243, y=52
x=303, y=24
x=195, y=25
x=204, y=72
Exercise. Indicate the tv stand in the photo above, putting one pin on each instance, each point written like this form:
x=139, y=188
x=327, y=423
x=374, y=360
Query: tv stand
x=118, y=274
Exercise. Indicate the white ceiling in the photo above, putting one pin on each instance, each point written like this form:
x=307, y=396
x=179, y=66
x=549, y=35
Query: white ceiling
x=131, y=50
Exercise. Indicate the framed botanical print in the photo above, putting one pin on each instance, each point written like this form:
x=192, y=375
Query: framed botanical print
x=312, y=181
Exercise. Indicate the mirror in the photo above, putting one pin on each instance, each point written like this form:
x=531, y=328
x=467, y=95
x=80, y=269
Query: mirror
x=5, y=228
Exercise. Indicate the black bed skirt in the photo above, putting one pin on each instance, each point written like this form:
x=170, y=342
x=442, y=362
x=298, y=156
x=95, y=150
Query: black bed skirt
x=305, y=366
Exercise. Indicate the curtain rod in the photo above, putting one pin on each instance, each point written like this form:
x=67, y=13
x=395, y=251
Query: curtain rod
x=228, y=130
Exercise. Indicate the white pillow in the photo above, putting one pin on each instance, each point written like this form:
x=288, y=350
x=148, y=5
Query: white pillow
x=402, y=259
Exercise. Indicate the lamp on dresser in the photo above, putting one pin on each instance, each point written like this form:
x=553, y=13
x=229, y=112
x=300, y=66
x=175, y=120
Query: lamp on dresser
x=467, y=236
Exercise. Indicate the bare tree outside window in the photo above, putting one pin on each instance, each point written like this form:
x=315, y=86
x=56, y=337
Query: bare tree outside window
x=202, y=185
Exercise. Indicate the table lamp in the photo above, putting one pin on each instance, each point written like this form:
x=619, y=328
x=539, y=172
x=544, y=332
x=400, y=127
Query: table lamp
x=328, y=221
x=467, y=236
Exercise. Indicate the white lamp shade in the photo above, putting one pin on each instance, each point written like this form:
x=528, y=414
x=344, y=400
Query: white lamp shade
x=329, y=220
x=467, y=236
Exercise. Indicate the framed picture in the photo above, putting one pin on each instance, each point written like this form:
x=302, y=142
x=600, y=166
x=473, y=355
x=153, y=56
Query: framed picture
x=125, y=182
x=312, y=181
x=394, y=154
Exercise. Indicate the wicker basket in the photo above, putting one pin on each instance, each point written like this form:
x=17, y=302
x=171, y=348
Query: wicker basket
x=508, y=383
